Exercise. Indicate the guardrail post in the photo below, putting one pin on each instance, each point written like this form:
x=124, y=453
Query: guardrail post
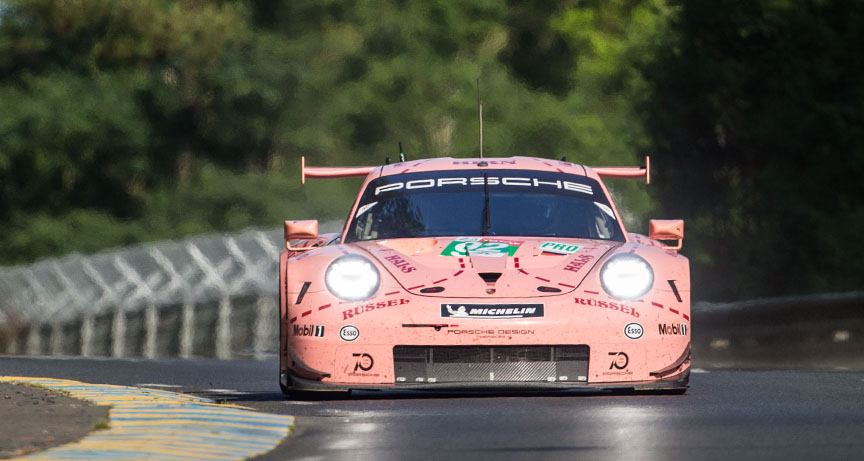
x=187, y=330
x=34, y=339
x=265, y=317
x=11, y=340
x=151, y=325
x=87, y=335
x=223, y=330
x=118, y=331
x=56, y=339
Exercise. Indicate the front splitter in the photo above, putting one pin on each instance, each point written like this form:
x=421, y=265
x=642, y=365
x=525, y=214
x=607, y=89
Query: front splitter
x=677, y=382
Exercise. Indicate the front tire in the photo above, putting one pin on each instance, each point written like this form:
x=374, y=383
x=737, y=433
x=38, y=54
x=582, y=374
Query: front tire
x=293, y=394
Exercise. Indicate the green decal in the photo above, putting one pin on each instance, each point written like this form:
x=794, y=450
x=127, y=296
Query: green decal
x=481, y=247
x=558, y=248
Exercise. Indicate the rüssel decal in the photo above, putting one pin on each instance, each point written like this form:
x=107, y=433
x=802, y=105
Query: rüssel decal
x=308, y=330
x=558, y=248
x=491, y=311
x=349, y=333
x=363, y=308
x=633, y=330
x=623, y=308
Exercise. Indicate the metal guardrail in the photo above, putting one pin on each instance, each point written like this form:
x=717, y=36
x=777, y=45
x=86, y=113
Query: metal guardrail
x=184, y=298
x=824, y=331
x=216, y=296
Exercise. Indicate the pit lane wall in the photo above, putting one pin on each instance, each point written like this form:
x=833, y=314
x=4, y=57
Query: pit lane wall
x=216, y=296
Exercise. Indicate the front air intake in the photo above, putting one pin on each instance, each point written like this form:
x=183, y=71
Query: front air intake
x=467, y=364
x=490, y=277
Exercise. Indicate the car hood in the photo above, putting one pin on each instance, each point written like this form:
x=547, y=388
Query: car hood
x=488, y=267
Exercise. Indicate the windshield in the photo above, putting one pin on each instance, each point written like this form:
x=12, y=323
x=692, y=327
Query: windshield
x=456, y=203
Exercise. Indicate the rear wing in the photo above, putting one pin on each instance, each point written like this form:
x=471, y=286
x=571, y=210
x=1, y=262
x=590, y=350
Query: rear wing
x=356, y=171
x=626, y=171
x=332, y=171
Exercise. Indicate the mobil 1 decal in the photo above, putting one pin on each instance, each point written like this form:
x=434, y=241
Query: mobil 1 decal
x=481, y=246
x=557, y=248
x=673, y=329
x=308, y=330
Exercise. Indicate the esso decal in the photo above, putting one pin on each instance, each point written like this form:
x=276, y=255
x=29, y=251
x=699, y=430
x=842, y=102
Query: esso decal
x=350, y=333
x=632, y=331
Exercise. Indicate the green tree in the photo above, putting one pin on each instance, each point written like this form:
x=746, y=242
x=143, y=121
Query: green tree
x=106, y=101
x=135, y=120
x=754, y=109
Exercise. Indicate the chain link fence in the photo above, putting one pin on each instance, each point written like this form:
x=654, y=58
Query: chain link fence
x=212, y=296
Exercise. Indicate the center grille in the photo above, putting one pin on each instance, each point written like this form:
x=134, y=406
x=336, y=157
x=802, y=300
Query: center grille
x=457, y=364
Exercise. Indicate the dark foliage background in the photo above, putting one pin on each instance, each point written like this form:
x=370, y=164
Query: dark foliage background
x=134, y=120
x=756, y=113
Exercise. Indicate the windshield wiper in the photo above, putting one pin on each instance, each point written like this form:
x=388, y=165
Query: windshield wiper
x=487, y=220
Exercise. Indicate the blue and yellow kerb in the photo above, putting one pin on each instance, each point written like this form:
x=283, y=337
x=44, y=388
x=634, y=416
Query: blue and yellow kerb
x=156, y=424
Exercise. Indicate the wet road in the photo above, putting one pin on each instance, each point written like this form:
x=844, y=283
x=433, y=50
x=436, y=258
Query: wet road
x=725, y=415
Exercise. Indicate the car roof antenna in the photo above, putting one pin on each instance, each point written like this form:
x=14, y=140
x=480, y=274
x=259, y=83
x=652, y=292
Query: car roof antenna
x=480, y=114
x=401, y=153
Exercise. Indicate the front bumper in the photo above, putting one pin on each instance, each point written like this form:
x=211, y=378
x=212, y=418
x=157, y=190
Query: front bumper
x=678, y=381
x=539, y=352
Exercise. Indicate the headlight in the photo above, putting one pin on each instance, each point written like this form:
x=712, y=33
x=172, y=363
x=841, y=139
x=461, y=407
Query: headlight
x=352, y=278
x=626, y=276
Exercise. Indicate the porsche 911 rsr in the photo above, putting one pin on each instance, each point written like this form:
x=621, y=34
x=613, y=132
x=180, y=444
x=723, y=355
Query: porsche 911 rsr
x=482, y=274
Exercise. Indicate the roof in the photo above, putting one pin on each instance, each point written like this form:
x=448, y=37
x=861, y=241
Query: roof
x=499, y=163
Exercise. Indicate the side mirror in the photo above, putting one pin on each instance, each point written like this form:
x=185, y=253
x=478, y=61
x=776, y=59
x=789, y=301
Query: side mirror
x=667, y=229
x=300, y=230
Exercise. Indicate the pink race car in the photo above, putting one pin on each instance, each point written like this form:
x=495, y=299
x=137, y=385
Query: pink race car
x=483, y=274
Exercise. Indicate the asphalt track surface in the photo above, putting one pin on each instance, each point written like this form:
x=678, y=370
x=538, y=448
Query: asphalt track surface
x=725, y=415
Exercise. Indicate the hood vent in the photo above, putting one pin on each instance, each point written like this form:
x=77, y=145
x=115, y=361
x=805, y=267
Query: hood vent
x=490, y=277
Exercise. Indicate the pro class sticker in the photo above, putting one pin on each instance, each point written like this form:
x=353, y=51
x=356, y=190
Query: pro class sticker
x=349, y=333
x=633, y=330
x=558, y=248
x=491, y=311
